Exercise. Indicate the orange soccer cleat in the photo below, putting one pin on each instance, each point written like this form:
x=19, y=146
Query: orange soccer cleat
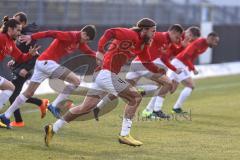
x=43, y=107
x=17, y=124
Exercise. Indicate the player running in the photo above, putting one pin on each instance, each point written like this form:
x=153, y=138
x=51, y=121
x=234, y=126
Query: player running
x=185, y=60
x=22, y=71
x=160, y=43
x=154, y=107
x=125, y=44
x=10, y=31
x=47, y=67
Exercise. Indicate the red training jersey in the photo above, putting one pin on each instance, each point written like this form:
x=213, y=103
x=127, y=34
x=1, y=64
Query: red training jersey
x=125, y=45
x=192, y=51
x=161, y=40
x=64, y=43
x=8, y=47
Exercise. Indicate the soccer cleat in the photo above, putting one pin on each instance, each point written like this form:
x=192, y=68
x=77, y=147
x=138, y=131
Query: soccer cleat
x=43, y=107
x=141, y=91
x=48, y=134
x=55, y=111
x=160, y=114
x=129, y=140
x=146, y=113
x=5, y=121
x=178, y=111
x=3, y=125
x=17, y=124
x=95, y=113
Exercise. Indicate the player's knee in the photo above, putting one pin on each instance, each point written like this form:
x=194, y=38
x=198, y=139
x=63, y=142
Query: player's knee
x=136, y=99
x=190, y=85
x=132, y=82
x=11, y=87
x=28, y=94
x=112, y=97
x=76, y=82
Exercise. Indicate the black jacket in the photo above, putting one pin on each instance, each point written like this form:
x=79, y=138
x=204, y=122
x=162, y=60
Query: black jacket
x=29, y=65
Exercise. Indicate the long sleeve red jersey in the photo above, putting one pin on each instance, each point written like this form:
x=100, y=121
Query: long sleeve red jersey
x=8, y=47
x=64, y=43
x=192, y=51
x=125, y=45
x=161, y=40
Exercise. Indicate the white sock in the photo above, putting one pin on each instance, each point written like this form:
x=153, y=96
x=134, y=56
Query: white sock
x=58, y=124
x=20, y=100
x=126, y=126
x=182, y=97
x=4, y=96
x=149, y=88
x=103, y=102
x=64, y=95
x=151, y=104
x=158, y=103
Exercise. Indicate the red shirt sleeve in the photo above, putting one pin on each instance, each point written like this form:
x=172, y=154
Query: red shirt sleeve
x=2, y=44
x=166, y=60
x=145, y=59
x=18, y=56
x=190, y=50
x=87, y=50
x=113, y=33
x=190, y=65
x=107, y=36
x=61, y=35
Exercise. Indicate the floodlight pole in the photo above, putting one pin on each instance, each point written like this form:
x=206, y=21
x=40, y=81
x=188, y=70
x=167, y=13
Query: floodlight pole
x=206, y=27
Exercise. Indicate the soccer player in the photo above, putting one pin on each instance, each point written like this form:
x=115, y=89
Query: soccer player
x=185, y=60
x=22, y=71
x=160, y=43
x=10, y=31
x=125, y=44
x=47, y=67
x=154, y=107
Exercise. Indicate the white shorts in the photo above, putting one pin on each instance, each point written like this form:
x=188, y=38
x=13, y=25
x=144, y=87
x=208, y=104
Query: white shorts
x=2, y=79
x=183, y=75
x=47, y=69
x=137, y=69
x=107, y=82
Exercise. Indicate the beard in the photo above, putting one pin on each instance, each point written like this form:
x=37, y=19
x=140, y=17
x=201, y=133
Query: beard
x=146, y=39
x=14, y=37
x=210, y=46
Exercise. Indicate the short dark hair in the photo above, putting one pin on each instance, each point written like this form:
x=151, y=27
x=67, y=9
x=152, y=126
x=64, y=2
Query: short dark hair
x=22, y=16
x=146, y=23
x=213, y=34
x=90, y=30
x=177, y=28
x=195, y=31
x=8, y=22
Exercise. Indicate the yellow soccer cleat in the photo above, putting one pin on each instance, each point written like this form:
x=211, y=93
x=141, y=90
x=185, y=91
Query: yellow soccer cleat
x=2, y=125
x=48, y=134
x=129, y=140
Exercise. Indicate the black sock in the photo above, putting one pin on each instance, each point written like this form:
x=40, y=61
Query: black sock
x=17, y=115
x=35, y=101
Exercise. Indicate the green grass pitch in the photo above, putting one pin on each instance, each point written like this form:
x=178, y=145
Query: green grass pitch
x=212, y=133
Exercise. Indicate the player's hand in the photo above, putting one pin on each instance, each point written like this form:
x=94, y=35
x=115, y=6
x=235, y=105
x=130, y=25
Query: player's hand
x=34, y=50
x=23, y=72
x=10, y=63
x=99, y=62
x=161, y=71
x=178, y=71
x=163, y=50
x=25, y=38
x=195, y=72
